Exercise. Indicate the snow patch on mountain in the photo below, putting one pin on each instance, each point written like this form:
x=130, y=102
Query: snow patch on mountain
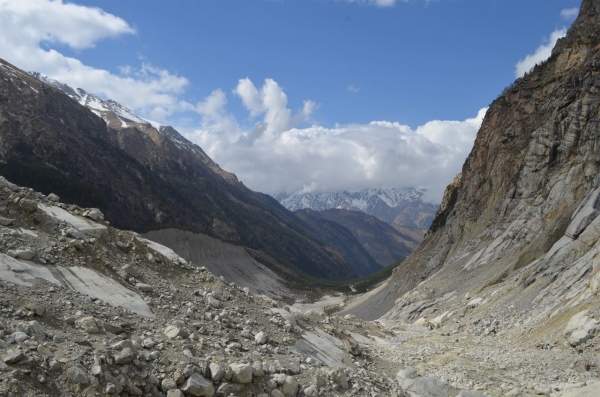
x=393, y=205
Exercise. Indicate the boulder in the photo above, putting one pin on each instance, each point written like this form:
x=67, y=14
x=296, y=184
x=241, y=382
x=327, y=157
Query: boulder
x=53, y=197
x=580, y=328
x=5, y=221
x=216, y=372
x=88, y=324
x=290, y=387
x=173, y=331
x=12, y=356
x=198, y=386
x=175, y=393
x=28, y=205
x=311, y=391
x=144, y=287
x=95, y=214
x=214, y=302
x=25, y=254
x=74, y=233
x=420, y=386
x=132, y=271
x=125, y=356
x=168, y=384
x=77, y=375
x=352, y=346
x=241, y=373
x=261, y=338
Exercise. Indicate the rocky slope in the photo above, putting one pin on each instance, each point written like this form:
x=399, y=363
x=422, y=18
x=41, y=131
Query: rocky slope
x=87, y=310
x=516, y=244
x=141, y=177
x=400, y=206
x=90, y=310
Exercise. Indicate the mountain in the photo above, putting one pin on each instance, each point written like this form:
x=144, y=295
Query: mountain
x=342, y=239
x=401, y=207
x=517, y=239
x=141, y=175
x=385, y=243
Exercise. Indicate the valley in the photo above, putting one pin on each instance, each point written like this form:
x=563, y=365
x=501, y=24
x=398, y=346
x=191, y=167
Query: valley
x=132, y=264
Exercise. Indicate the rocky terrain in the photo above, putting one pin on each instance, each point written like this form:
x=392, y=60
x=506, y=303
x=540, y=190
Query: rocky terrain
x=91, y=310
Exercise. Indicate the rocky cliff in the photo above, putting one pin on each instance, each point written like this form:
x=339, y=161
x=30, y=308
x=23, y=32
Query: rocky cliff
x=518, y=231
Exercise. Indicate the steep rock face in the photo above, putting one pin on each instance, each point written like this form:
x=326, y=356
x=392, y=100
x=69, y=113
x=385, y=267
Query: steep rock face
x=511, y=228
x=140, y=177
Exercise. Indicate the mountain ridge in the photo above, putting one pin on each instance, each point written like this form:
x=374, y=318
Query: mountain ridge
x=399, y=206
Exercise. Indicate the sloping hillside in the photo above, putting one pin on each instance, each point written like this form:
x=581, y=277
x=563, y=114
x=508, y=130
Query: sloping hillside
x=140, y=177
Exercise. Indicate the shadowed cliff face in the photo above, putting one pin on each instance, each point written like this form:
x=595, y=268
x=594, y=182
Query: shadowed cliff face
x=535, y=159
x=142, y=178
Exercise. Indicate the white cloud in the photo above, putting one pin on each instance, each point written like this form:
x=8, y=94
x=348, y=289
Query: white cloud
x=542, y=53
x=376, y=3
x=352, y=89
x=569, y=13
x=275, y=155
x=30, y=28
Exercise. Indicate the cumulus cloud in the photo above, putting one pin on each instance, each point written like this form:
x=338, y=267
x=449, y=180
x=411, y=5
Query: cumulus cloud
x=569, y=13
x=542, y=53
x=276, y=154
x=30, y=28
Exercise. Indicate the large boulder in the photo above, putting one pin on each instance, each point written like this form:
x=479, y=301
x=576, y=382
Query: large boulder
x=420, y=386
x=580, y=328
x=241, y=373
x=198, y=386
x=88, y=324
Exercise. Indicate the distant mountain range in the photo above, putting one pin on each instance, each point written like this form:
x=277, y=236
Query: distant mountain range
x=401, y=207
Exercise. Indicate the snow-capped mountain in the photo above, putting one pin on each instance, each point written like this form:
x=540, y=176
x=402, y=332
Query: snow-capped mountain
x=107, y=109
x=400, y=206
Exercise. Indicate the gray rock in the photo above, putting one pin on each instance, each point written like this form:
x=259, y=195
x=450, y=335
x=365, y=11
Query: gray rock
x=466, y=393
x=173, y=331
x=125, y=356
x=148, y=343
x=580, y=328
x=24, y=254
x=18, y=337
x=311, y=391
x=6, y=221
x=290, y=387
x=213, y=302
x=198, y=386
x=88, y=324
x=95, y=214
x=53, y=197
x=144, y=287
x=12, y=356
x=416, y=386
x=132, y=271
x=77, y=375
x=216, y=372
x=261, y=338
x=74, y=233
x=175, y=393
x=168, y=384
x=352, y=346
x=241, y=373
x=34, y=329
x=338, y=376
x=257, y=369
x=28, y=205
x=276, y=393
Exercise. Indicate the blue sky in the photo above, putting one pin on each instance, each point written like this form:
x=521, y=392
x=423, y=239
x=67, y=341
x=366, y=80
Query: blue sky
x=359, y=93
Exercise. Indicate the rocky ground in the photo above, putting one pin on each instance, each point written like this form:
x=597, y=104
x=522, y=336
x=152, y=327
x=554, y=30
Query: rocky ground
x=89, y=310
